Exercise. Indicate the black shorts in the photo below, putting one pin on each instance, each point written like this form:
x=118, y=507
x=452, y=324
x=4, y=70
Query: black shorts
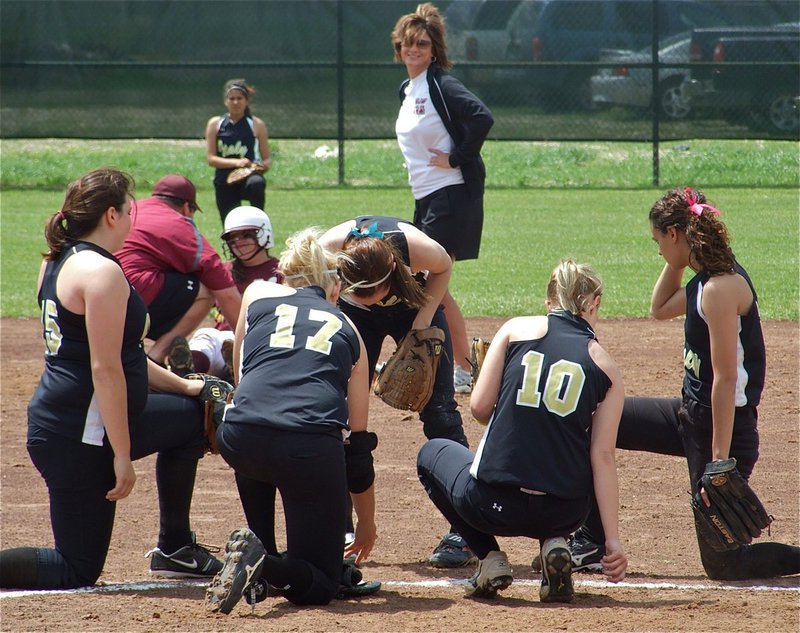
x=453, y=219
x=174, y=300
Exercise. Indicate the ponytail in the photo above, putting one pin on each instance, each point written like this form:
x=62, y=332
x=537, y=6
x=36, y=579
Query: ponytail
x=85, y=202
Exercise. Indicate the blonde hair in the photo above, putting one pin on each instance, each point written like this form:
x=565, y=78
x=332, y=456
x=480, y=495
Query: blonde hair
x=573, y=286
x=305, y=262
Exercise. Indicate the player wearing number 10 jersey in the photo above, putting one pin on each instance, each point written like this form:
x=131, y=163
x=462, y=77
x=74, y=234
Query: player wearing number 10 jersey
x=553, y=398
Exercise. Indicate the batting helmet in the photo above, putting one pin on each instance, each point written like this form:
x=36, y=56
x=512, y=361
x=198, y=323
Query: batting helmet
x=249, y=218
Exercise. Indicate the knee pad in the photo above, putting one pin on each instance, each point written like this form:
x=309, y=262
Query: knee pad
x=358, y=458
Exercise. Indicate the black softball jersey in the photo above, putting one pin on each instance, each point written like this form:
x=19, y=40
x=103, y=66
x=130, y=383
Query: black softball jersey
x=236, y=140
x=539, y=434
x=64, y=402
x=392, y=233
x=291, y=341
x=751, y=354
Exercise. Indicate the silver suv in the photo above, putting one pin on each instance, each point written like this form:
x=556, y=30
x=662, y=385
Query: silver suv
x=575, y=32
x=477, y=32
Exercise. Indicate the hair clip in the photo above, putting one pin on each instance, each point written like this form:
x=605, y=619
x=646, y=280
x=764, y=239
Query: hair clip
x=372, y=231
x=696, y=207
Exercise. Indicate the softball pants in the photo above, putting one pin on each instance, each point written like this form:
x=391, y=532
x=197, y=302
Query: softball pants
x=479, y=511
x=672, y=426
x=440, y=417
x=78, y=476
x=309, y=471
x=230, y=196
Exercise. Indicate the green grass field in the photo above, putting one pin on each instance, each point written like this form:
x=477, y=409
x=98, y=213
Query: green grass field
x=527, y=228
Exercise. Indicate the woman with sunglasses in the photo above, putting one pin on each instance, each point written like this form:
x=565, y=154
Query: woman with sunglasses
x=441, y=128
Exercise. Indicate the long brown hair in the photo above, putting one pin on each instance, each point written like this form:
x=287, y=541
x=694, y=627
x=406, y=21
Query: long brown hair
x=86, y=201
x=364, y=261
x=426, y=19
x=709, y=242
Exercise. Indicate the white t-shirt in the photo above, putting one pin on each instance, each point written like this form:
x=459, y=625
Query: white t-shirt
x=419, y=128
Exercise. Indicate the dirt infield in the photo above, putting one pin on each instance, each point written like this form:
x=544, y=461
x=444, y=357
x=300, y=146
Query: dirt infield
x=666, y=589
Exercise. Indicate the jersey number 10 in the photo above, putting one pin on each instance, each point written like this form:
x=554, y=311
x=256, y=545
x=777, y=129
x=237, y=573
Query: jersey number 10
x=562, y=389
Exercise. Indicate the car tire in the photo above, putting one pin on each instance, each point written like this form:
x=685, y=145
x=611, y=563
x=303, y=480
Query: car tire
x=782, y=112
x=671, y=102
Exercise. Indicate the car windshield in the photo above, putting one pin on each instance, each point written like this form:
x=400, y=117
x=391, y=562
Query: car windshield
x=461, y=14
x=495, y=15
x=670, y=42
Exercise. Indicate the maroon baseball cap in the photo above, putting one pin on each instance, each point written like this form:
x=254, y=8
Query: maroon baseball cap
x=179, y=187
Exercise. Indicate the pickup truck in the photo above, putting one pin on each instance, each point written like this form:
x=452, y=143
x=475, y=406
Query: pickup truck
x=750, y=75
x=770, y=94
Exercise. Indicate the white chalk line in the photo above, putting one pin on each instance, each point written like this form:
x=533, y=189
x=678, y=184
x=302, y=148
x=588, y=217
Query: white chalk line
x=426, y=584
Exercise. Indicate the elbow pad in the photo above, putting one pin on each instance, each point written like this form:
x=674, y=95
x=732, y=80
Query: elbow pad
x=358, y=457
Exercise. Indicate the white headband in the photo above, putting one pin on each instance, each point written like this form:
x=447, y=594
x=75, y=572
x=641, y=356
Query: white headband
x=363, y=285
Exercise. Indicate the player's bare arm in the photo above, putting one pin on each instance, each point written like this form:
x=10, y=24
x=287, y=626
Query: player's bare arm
x=605, y=423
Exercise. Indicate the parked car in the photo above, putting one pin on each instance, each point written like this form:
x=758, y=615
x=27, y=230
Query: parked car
x=703, y=41
x=699, y=86
x=520, y=28
x=767, y=94
x=575, y=31
x=476, y=32
x=629, y=84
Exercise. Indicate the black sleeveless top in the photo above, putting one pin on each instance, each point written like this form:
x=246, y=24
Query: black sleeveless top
x=297, y=356
x=64, y=401
x=539, y=434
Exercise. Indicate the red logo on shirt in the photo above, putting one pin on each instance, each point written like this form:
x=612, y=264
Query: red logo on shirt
x=419, y=105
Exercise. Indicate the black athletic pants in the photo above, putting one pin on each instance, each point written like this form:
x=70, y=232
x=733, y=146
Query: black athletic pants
x=479, y=511
x=309, y=471
x=440, y=417
x=229, y=197
x=671, y=426
x=78, y=476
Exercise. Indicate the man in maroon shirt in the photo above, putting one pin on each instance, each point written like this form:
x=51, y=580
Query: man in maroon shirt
x=173, y=266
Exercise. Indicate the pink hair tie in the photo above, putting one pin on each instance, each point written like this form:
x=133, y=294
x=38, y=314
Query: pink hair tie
x=61, y=215
x=694, y=206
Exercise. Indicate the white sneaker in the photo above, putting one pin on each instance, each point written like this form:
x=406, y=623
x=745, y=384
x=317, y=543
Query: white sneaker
x=462, y=381
x=494, y=574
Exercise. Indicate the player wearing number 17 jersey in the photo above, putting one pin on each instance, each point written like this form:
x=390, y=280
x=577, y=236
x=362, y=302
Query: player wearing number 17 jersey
x=553, y=398
x=298, y=423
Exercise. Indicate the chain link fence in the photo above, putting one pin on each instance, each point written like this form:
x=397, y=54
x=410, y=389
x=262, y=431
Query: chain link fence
x=636, y=70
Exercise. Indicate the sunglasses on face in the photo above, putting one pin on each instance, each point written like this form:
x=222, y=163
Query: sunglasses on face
x=422, y=44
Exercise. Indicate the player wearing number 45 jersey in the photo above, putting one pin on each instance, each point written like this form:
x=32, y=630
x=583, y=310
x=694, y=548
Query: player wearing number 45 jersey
x=92, y=415
x=552, y=397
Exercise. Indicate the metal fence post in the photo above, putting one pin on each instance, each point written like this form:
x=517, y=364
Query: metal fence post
x=656, y=106
x=340, y=86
